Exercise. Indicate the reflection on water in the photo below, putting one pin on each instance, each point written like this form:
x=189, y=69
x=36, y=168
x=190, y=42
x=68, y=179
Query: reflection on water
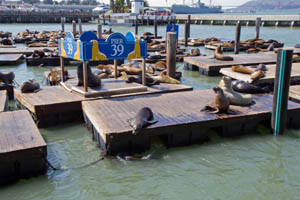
x=256, y=166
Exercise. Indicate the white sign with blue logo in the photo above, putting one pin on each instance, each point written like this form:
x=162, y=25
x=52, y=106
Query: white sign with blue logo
x=173, y=28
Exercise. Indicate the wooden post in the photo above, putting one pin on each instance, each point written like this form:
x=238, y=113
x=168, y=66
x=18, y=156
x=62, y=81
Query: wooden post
x=142, y=20
x=80, y=26
x=99, y=31
x=99, y=19
x=155, y=26
x=189, y=26
x=237, y=38
x=74, y=27
x=144, y=72
x=148, y=20
x=186, y=37
x=116, y=68
x=85, y=85
x=136, y=25
x=281, y=90
x=171, y=54
x=258, y=22
x=103, y=18
x=62, y=65
x=62, y=21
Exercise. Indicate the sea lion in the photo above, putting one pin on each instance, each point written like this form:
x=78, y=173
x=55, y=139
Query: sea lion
x=244, y=87
x=235, y=98
x=138, y=79
x=143, y=119
x=221, y=104
x=161, y=64
x=7, y=77
x=30, y=86
x=271, y=47
x=261, y=67
x=163, y=78
x=257, y=75
x=297, y=46
x=218, y=55
x=295, y=58
x=241, y=69
x=92, y=79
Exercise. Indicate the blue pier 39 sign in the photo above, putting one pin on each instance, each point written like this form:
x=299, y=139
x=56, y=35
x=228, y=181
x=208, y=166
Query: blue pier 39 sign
x=173, y=28
x=90, y=48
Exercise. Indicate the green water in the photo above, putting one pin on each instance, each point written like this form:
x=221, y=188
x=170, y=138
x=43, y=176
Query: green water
x=255, y=166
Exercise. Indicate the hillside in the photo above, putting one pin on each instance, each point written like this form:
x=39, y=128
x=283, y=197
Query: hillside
x=256, y=5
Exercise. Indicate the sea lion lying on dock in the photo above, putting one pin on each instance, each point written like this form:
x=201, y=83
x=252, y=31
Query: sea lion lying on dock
x=163, y=78
x=235, y=98
x=143, y=119
x=241, y=69
x=30, y=86
x=92, y=79
x=257, y=75
x=138, y=79
x=271, y=47
x=7, y=77
x=244, y=87
x=218, y=55
x=221, y=104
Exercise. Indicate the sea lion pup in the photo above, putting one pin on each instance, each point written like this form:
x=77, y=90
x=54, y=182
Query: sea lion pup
x=219, y=55
x=92, y=79
x=241, y=69
x=143, y=119
x=30, y=86
x=221, y=104
x=138, y=79
x=244, y=87
x=235, y=98
x=7, y=77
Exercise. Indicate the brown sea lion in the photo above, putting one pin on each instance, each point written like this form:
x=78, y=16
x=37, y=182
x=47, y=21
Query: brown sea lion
x=295, y=58
x=30, y=86
x=143, y=119
x=7, y=77
x=161, y=64
x=218, y=55
x=221, y=104
x=138, y=79
x=257, y=75
x=241, y=69
x=163, y=78
x=235, y=98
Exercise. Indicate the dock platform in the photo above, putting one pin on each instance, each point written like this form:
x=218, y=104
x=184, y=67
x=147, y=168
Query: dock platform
x=54, y=104
x=269, y=78
x=9, y=89
x=3, y=101
x=294, y=93
x=23, y=151
x=211, y=67
x=180, y=121
x=11, y=59
x=26, y=51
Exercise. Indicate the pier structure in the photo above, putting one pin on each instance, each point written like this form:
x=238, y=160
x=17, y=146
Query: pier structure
x=245, y=20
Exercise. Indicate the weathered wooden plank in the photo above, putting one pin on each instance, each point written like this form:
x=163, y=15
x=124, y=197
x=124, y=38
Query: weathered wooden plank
x=178, y=114
x=211, y=66
x=3, y=101
x=26, y=51
x=10, y=59
x=295, y=93
x=22, y=149
x=269, y=75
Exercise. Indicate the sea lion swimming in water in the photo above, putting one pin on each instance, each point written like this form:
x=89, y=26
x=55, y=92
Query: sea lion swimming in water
x=244, y=87
x=30, y=86
x=221, y=104
x=92, y=79
x=7, y=77
x=235, y=98
x=218, y=55
x=143, y=119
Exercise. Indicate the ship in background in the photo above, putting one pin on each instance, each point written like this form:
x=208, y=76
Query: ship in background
x=195, y=8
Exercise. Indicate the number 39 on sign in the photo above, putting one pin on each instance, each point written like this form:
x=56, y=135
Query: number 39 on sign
x=117, y=46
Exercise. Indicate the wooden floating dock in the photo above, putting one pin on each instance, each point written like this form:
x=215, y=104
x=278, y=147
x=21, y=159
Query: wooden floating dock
x=180, y=121
x=269, y=75
x=3, y=101
x=294, y=93
x=211, y=67
x=23, y=151
x=54, y=104
x=26, y=51
x=11, y=59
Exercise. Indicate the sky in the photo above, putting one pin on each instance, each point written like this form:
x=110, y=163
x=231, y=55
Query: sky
x=229, y=3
